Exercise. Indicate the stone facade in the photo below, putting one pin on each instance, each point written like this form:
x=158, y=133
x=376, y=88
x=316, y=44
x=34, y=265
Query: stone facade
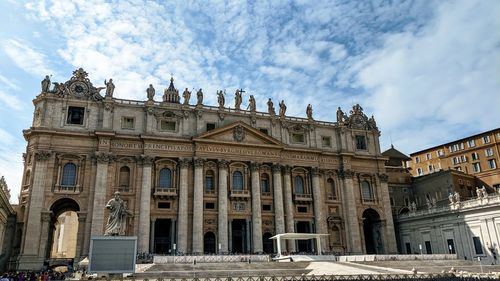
x=7, y=226
x=199, y=178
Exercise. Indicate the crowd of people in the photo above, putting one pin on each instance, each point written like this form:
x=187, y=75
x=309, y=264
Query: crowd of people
x=32, y=276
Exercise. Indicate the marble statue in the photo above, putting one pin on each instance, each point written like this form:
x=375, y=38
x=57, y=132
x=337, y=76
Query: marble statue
x=238, y=99
x=199, y=96
x=150, y=92
x=451, y=198
x=117, y=216
x=340, y=115
x=457, y=197
x=309, y=112
x=282, y=108
x=110, y=88
x=484, y=192
x=251, y=104
x=46, y=84
x=270, y=107
x=413, y=206
x=479, y=193
x=186, y=95
x=220, y=99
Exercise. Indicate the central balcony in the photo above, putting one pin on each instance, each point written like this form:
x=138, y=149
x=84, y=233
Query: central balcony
x=241, y=194
x=165, y=192
x=302, y=197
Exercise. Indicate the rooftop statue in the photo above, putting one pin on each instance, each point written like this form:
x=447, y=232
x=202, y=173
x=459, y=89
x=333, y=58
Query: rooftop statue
x=282, y=109
x=117, y=220
x=150, y=92
x=309, y=112
x=238, y=99
x=199, y=96
x=270, y=107
x=46, y=84
x=186, y=95
x=251, y=104
x=340, y=116
x=110, y=88
x=220, y=98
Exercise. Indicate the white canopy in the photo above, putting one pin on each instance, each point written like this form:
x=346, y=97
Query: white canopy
x=298, y=236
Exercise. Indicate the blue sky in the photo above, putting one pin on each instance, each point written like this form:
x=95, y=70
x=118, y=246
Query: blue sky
x=429, y=71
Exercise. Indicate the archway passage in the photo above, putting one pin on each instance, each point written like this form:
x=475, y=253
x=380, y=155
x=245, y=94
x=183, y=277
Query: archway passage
x=63, y=230
x=209, y=243
x=267, y=243
x=373, y=232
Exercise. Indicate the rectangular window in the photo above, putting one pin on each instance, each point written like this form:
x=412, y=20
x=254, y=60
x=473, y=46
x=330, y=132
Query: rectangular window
x=476, y=167
x=428, y=248
x=209, y=205
x=75, y=115
x=451, y=246
x=128, y=122
x=264, y=130
x=440, y=152
x=210, y=126
x=298, y=138
x=209, y=184
x=461, y=146
x=477, y=245
x=408, y=247
x=419, y=171
x=326, y=141
x=474, y=156
x=163, y=205
x=417, y=159
x=266, y=208
x=471, y=143
x=463, y=158
x=492, y=164
x=167, y=125
x=360, y=143
x=486, y=139
x=301, y=209
x=488, y=152
x=431, y=168
x=428, y=156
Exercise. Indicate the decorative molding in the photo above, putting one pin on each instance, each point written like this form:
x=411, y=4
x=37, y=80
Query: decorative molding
x=287, y=170
x=383, y=177
x=239, y=133
x=199, y=162
x=223, y=164
x=254, y=166
x=315, y=171
x=346, y=174
x=147, y=160
x=104, y=158
x=42, y=155
x=276, y=168
x=184, y=162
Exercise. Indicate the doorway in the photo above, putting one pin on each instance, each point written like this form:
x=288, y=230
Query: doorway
x=238, y=227
x=163, y=238
x=209, y=243
x=373, y=232
x=304, y=246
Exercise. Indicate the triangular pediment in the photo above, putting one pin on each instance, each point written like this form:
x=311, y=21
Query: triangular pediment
x=238, y=133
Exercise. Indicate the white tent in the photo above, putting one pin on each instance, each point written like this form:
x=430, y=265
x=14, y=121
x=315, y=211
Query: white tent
x=298, y=236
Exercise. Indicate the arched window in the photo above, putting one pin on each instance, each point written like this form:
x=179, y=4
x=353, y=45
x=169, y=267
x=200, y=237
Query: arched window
x=209, y=181
x=124, y=180
x=366, y=191
x=165, y=178
x=299, y=185
x=237, y=180
x=264, y=183
x=69, y=175
x=331, y=188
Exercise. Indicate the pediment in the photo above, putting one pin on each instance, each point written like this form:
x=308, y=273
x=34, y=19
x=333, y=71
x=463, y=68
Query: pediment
x=237, y=133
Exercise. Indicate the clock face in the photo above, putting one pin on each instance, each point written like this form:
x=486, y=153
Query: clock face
x=79, y=88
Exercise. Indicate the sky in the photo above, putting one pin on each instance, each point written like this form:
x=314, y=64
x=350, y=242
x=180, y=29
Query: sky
x=429, y=71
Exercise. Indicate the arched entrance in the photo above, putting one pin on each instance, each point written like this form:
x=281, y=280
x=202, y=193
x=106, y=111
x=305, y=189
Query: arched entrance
x=63, y=229
x=372, y=230
x=267, y=243
x=209, y=243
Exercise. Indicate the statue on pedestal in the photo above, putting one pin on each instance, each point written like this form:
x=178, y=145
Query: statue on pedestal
x=150, y=92
x=46, y=84
x=199, y=96
x=186, y=95
x=117, y=220
x=110, y=88
x=282, y=109
x=220, y=99
x=309, y=112
x=251, y=104
x=270, y=107
x=238, y=99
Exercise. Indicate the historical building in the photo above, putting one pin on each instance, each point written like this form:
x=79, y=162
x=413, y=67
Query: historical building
x=198, y=178
x=7, y=225
x=478, y=155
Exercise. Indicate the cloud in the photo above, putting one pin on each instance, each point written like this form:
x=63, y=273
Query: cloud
x=9, y=83
x=11, y=101
x=11, y=164
x=28, y=59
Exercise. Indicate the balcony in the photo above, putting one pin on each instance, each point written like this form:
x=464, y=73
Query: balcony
x=66, y=189
x=302, y=197
x=240, y=194
x=368, y=200
x=332, y=197
x=167, y=192
x=266, y=194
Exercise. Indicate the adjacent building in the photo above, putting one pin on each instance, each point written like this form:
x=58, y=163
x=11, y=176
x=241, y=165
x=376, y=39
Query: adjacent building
x=198, y=178
x=7, y=225
x=478, y=155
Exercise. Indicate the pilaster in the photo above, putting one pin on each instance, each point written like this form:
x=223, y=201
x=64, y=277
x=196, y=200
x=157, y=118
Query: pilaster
x=278, y=200
x=352, y=226
x=319, y=214
x=256, y=209
x=289, y=217
x=182, y=215
x=390, y=235
x=145, y=205
x=222, y=224
x=101, y=184
x=198, y=207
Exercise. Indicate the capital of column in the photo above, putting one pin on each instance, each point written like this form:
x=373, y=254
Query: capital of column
x=82, y=216
x=315, y=171
x=198, y=162
x=223, y=164
x=184, y=162
x=287, y=169
x=147, y=160
x=254, y=166
x=276, y=168
x=104, y=157
x=42, y=155
x=345, y=174
x=46, y=216
x=383, y=177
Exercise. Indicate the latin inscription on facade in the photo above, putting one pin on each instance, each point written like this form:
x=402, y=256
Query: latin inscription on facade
x=151, y=146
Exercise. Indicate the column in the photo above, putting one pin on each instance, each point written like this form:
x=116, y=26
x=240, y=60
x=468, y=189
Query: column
x=33, y=224
x=278, y=201
x=82, y=217
x=152, y=235
x=198, y=207
x=172, y=236
x=290, y=223
x=182, y=215
x=319, y=210
x=100, y=188
x=256, y=210
x=390, y=234
x=145, y=205
x=222, y=211
x=351, y=217
x=46, y=220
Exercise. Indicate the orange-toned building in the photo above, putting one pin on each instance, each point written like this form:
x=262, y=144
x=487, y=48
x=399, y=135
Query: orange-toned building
x=478, y=155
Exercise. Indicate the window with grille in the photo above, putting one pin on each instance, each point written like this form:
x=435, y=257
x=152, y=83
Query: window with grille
x=124, y=179
x=75, y=115
x=69, y=175
x=299, y=185
x=209, y=182
x=360, y=142
x=366, y=191
x=237, y=181
x=165, y=178
x=264, y=183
